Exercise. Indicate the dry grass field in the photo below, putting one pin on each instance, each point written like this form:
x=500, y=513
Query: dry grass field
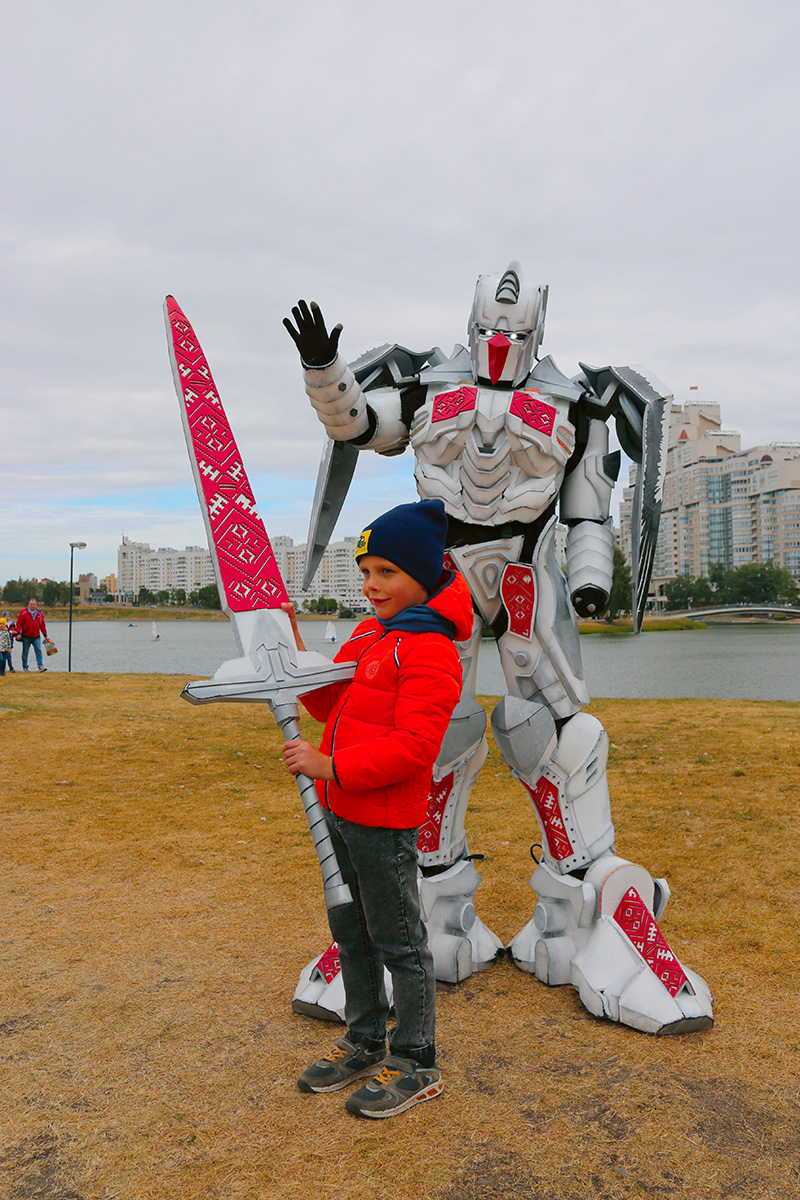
x=160, y=896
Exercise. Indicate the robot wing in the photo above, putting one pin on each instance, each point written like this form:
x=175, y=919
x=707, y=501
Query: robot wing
x=641, y=406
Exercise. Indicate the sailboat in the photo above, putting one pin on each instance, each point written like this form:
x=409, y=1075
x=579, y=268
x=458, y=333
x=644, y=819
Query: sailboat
x=330, y=632
x=156, y=634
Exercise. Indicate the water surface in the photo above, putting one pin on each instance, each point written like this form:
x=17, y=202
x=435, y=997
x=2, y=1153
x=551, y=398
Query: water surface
x=756, y=662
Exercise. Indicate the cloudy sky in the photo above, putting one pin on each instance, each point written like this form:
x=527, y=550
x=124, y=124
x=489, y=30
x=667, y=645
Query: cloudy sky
x=639, y=157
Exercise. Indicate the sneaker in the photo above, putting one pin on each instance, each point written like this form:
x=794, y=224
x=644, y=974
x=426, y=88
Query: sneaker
x=42, y=668
x=401, y=1084
x=345, y=1062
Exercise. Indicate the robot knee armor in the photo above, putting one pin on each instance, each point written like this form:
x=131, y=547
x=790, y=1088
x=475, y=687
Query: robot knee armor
x=525, y=733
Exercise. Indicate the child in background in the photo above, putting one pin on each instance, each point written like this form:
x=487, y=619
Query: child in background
x=12, y=629
x=383, y=731
x=5, y=646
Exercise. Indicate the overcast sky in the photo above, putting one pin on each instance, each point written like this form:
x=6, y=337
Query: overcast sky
x=639, y=157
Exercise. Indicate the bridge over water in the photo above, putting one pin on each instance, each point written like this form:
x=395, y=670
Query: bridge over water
x=780, y=611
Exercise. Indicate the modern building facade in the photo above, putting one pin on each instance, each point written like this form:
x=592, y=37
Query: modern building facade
x=337, y=576
x=721, y=504
x=165, y=569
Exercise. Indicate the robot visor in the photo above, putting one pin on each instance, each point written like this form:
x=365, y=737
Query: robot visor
x=515, y=336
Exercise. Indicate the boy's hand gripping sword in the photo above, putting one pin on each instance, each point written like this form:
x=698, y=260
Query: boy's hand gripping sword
x=271, y=670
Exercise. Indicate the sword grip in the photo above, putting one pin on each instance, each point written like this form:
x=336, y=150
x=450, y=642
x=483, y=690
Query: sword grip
x=336, y=891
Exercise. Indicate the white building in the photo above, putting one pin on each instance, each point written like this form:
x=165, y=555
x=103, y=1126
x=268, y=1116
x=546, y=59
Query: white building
x=138, y=566
x=337, y=576
x=721, y=504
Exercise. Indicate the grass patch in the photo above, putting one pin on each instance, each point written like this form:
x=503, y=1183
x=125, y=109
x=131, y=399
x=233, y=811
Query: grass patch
x=160, y=899
x=649, y=625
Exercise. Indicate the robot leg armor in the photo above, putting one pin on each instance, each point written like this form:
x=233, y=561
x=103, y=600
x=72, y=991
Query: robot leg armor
x=565, y=779
x=459, y=940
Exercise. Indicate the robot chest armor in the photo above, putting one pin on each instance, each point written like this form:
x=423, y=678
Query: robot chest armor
x=492, y=454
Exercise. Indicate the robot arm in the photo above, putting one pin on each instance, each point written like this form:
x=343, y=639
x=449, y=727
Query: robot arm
x=585, y=503
x=335, y=392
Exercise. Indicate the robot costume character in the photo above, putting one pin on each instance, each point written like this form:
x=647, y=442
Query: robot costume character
x=503, y=437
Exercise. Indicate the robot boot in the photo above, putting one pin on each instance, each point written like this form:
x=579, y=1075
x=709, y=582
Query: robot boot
x=601, y=934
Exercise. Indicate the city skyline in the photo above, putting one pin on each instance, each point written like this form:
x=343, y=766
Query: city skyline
x=662, y=217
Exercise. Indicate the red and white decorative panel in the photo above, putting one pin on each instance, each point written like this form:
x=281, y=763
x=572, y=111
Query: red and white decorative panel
x=533, y=411
x=545, y=800
x=431, y=830
x=519, y=597
x=451, y=404
x=329, y=963
x=639, y=925
x=249, y=573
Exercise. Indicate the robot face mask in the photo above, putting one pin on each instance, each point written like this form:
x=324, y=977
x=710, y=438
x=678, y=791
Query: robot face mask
x=506, y=327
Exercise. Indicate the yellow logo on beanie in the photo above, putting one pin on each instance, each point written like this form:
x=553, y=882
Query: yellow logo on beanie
x=362, y=543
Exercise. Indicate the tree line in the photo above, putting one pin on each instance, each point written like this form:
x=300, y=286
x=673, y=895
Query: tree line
x=20, y=591
x=48, y=593
x=752, y=583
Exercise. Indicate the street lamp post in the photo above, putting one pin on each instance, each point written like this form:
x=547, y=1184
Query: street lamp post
x=73, y=546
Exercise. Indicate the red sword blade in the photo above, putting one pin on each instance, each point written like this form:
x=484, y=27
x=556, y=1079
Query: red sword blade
x=247, y=572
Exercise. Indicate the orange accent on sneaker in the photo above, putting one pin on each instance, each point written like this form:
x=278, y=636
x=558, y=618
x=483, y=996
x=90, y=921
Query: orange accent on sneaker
x=336, y=1052
x=386, y=1075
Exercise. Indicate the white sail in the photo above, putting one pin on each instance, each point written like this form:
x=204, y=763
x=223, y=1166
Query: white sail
x=156, y=634
x=330, y=632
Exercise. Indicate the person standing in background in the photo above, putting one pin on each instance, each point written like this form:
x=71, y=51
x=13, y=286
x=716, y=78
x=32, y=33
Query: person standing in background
x=12, y=633
x=5, y=647
x=30, y=627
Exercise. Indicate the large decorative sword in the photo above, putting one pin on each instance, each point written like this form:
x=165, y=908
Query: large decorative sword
x=271, y=670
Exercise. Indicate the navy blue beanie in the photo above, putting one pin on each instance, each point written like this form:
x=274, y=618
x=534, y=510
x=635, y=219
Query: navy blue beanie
x=411, y=536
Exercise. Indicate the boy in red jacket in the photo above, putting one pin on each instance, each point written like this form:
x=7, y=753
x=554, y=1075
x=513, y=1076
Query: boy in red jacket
x=383, y=731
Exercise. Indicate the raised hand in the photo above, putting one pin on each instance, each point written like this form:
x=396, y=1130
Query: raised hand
x=317, y=347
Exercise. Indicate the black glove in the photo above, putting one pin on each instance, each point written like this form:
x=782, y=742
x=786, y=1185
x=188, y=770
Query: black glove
x=589, y=601
x=317, y=347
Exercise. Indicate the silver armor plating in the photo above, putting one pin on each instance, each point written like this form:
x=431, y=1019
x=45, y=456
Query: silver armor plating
x=504, y=440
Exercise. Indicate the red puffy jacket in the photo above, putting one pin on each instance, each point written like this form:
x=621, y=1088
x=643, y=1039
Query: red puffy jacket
x=384, y=728
x=31, y=624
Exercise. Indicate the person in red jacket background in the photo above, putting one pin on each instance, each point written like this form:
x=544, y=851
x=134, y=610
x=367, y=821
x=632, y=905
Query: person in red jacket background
x=383, y=731
x=30, y=627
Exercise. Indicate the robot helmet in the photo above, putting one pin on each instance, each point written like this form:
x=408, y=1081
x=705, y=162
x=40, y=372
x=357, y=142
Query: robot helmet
x=506, y=327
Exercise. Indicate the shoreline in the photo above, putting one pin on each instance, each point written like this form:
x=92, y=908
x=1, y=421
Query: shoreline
x=624, y=625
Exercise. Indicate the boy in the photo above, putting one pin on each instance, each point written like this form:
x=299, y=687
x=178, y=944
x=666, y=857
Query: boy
x=383, y=731
x=5, y=646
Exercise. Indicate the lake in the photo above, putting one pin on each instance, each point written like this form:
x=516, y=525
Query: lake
x=754, y=662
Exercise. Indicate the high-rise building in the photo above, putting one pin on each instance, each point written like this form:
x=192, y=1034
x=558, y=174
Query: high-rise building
x=337, y=576
x=165, y=569
x=721, y=504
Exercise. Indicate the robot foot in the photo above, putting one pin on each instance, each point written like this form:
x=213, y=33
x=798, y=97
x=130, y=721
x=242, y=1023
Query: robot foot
x=459, y=940
x=600, y=934
x=320, y=990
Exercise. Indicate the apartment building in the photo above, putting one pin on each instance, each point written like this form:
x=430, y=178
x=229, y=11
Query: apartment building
x=138, y=566
x=721, y=504
x=337, y=577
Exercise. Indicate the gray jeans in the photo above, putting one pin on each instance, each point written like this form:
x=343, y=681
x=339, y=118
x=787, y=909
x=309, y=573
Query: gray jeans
x=383, y=927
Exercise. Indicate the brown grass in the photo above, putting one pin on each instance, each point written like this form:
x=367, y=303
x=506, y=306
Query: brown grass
x=160, y=897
